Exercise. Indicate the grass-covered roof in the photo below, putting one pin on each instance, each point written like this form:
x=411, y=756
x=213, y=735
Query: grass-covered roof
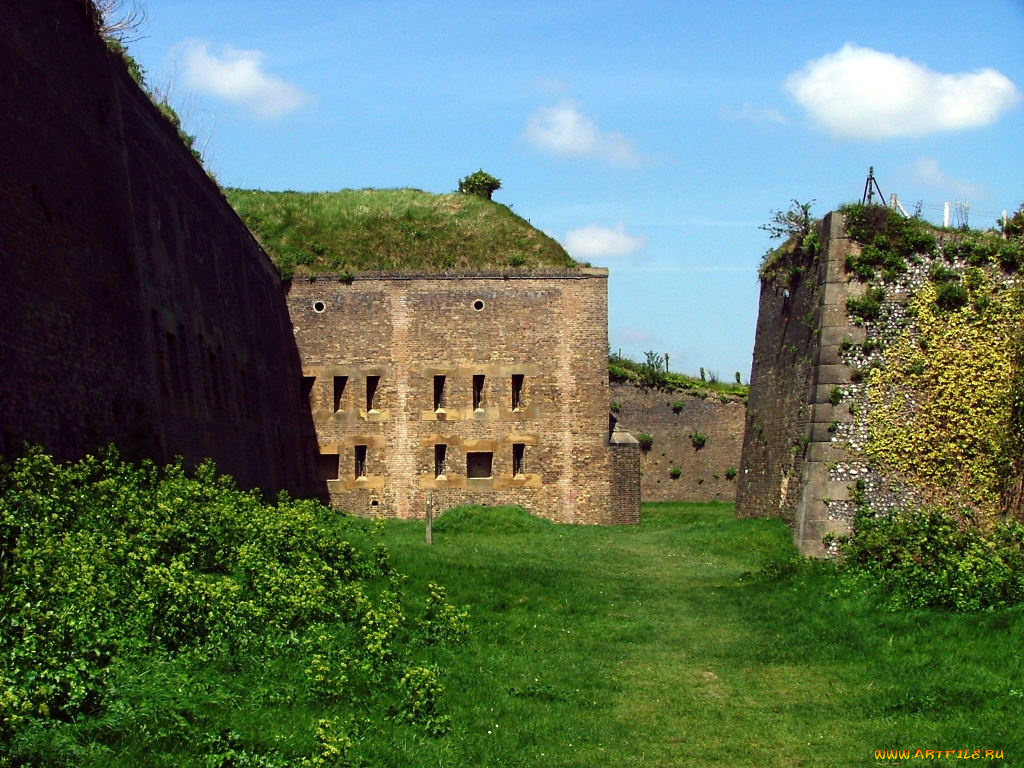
x=393, y=230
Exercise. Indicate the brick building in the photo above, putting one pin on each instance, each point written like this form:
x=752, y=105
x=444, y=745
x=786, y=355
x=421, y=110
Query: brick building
x=475, y=388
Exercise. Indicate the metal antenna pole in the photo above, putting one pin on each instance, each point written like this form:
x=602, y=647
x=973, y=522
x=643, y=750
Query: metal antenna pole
x=870, y=187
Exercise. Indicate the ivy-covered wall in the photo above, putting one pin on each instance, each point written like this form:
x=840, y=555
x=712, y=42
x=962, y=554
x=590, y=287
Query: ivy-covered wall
x=915, y=396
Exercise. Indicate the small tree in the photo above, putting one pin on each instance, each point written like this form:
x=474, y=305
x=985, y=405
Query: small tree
x=481, y=184
x=653, y=370
x=796, y=222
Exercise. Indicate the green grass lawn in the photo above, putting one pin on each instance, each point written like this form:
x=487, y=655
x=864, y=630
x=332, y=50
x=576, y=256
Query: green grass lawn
x=665, y=645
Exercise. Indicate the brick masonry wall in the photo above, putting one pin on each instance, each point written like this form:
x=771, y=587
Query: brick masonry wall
x=135, y=305
x=787, y=446
x=704, y=472
x=373, y=352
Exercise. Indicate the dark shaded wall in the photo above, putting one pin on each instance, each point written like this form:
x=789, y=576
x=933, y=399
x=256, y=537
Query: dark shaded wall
x=782, y=382
x=135, y=307
x=670, y=418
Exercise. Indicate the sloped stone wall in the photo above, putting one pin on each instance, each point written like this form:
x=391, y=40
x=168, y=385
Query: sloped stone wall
x=135, y=306
x=788, y=444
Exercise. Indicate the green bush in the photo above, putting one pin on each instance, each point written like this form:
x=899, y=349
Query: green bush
x=646, y=440
x=942, y=274
x=951, y=296
x=481, y=184
x=698, y=440
x=868, y=307
x=935, y=558
x=835, y=396
x=675, y=472
x=888, y=239
x=108, y=568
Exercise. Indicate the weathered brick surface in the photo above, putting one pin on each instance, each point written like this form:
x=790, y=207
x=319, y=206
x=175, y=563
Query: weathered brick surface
x=135, y=306
x=398, y=333
x=788, y=444
x=670, y=418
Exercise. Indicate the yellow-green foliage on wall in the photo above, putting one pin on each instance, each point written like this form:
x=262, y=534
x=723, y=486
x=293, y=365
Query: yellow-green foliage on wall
x=942, y=406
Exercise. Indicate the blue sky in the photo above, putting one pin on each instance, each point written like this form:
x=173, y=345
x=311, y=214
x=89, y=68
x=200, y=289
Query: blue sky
x=652, y=138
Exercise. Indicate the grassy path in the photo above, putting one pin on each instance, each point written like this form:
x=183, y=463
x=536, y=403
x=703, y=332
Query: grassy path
x=659, y=645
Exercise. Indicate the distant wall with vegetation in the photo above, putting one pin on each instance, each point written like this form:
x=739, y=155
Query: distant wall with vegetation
x=887, y=376
x=136, y=307
x=690, y=442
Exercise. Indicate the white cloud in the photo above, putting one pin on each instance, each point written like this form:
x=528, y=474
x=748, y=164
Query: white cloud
x=238, y=77
x=565, y=131
x=927, y=171
x=596, y=241
x=861, y=93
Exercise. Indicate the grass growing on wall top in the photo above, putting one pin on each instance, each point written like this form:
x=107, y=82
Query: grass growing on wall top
x=393, y=230
x=654, y=375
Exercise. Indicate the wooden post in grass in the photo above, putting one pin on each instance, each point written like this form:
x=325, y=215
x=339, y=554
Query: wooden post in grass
x=430, y=517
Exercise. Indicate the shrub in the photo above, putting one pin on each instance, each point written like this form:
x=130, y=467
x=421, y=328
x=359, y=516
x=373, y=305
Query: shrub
x=677, y=406
x=481, y=184
x=730, y=473
x=935, y=557
x=646, y=440
x=951, y=296
x=111, y=568
x=675, y=472
x=1011, y=254
x=698, y=439
x=836, y=395
x=942, y=274
x=794, y=222
x=867, y=307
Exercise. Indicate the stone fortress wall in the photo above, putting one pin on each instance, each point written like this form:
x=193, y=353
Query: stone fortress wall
x=135, y=307
x=708, y=473
x=788, y=446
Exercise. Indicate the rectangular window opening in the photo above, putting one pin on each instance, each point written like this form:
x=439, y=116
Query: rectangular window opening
x=439, y=382
x=360, y=461
x=518, y=459
x=517, y=391
x=440, y=459
x=339, y=390
x=478, y=464
x=327, y=466
x=478, y=391
x=372, y=383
